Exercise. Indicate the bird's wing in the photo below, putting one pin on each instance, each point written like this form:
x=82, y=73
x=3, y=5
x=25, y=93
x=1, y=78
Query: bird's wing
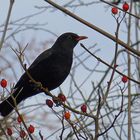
x=43, y=56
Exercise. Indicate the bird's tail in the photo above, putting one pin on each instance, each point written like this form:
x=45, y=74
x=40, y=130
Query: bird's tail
x=9, y=104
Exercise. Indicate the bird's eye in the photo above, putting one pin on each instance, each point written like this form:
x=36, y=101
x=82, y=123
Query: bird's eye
x=69, y=37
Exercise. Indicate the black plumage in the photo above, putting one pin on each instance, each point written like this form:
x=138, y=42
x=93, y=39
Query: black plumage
x=50, y=68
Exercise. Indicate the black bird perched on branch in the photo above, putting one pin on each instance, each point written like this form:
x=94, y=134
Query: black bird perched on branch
x=50, y=68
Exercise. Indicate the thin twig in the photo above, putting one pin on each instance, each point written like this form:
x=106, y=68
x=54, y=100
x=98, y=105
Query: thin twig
x=6, y=24
x=105, y=63
x=116, y=116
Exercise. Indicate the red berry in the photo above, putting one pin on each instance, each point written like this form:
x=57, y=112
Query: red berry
x=31, y=129
x=22, y=133
x=67, y=115
x=19, y=119
x=3, y=83
x=49, y=103
x=124, y=79
x=84, y=108
x=125, y=6
x=9, y=131
x=62, y=97
x=114, y=10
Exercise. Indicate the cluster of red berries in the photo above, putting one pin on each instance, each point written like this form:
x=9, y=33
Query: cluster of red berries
x=22, y=132
x=125, y=8
x=61, y=98
x=67, y=114
x=30, y=128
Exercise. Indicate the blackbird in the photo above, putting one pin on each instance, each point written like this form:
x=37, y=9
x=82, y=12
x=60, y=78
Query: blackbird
x=50, y=68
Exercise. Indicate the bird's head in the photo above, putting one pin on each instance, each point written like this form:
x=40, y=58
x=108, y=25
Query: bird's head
x=68, y=40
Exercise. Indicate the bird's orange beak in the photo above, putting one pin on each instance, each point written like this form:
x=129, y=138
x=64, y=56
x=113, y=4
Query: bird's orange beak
x=81, y=38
